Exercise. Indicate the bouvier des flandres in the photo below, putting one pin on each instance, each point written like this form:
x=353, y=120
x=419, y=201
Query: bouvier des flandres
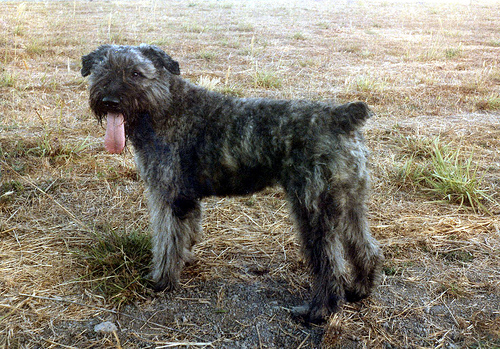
x=191, y=143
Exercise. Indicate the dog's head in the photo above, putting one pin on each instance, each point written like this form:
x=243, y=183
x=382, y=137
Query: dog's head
x=127, y=81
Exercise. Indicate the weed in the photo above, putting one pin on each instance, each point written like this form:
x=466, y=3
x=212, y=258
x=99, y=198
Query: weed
x=226, y=6
x=50, y=146
x=446, y=175
x=431, y=54
x=365, y=83
x=118, y=38
x=117, y=265
x=8, y=189
x=232, y=90
x=266, y=79
x=232, y=44
x=457, y=256
x=34, y=47
x=214, y=84
x=193, y=28
x=251, y=201
x=390, y=270
x=410, y=172
x=489, y=103
x=206, y=55
x=453, y=52
x=454, y=179
x=208, y=82
x=351, y=48
x=451, y=289
x=417, y=147
x=306, y=63
x=17, y=149
x=494, y=76
x=495, y=43
x=73, y=149
x=19, y=30
x=7, y=79
x=245, y=27
x=299, y=36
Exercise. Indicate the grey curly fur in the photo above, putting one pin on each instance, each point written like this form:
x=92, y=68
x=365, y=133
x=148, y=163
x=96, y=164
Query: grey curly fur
x=191, y=143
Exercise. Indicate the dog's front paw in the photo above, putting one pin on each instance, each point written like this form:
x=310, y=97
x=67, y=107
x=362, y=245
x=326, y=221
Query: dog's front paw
x=165, y=285
x=309, y=315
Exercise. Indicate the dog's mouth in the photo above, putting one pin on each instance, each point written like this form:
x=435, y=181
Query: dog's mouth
x=114, y=140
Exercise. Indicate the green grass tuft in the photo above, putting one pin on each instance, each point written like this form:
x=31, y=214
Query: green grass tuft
x=453, y=52
x=50, y=146
x=445, y=174
x=207, y=55
x=454, y=179
x=267, y=79
x=34, y=48
x=364, y=83
x=7, y=79
x=117, y=265
x=299, y=36
x=489, y=103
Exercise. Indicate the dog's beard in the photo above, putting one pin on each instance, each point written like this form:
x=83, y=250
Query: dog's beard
x=114, y=140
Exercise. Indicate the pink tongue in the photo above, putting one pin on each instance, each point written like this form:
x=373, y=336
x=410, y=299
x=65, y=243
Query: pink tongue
x=114, y=140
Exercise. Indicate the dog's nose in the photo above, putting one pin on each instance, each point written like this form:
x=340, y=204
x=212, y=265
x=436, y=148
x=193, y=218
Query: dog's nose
x=111, y=102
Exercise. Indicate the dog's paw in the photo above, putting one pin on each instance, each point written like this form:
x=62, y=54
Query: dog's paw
x=309, y=315
x=189, y=258
x=352, y=296
x=165, y=285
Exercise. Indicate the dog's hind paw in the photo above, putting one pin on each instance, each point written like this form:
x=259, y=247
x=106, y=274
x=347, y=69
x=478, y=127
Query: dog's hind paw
x=352, y=296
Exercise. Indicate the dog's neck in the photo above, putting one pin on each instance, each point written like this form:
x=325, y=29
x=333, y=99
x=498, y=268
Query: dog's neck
x=190, y=100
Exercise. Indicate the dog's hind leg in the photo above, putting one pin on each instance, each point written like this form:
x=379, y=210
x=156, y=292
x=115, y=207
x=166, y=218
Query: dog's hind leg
x=323, y=251
x=362, y=250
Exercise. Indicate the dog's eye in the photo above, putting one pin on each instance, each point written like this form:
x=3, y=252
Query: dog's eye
x=136, y=74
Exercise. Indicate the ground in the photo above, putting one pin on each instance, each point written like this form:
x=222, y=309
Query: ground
x=431, y=72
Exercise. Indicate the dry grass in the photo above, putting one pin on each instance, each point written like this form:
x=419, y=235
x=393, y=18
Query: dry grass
x=429, y=71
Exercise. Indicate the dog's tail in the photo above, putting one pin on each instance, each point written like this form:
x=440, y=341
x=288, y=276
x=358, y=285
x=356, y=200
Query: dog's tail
x=351, y=116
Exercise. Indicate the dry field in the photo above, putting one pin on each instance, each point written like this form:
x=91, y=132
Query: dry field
x=430, y=72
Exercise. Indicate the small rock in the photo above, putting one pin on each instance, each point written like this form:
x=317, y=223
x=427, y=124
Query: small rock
x=437, y=310
x=105, y=327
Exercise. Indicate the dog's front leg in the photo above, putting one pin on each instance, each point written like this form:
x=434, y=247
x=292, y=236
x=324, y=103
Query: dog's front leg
x=176, y=226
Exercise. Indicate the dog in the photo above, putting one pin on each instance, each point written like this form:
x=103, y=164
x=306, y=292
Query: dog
x=191, y=143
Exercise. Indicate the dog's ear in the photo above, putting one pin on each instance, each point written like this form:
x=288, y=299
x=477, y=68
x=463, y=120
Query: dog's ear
x=160, y=58
x=359, y=110
x=93, y=58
